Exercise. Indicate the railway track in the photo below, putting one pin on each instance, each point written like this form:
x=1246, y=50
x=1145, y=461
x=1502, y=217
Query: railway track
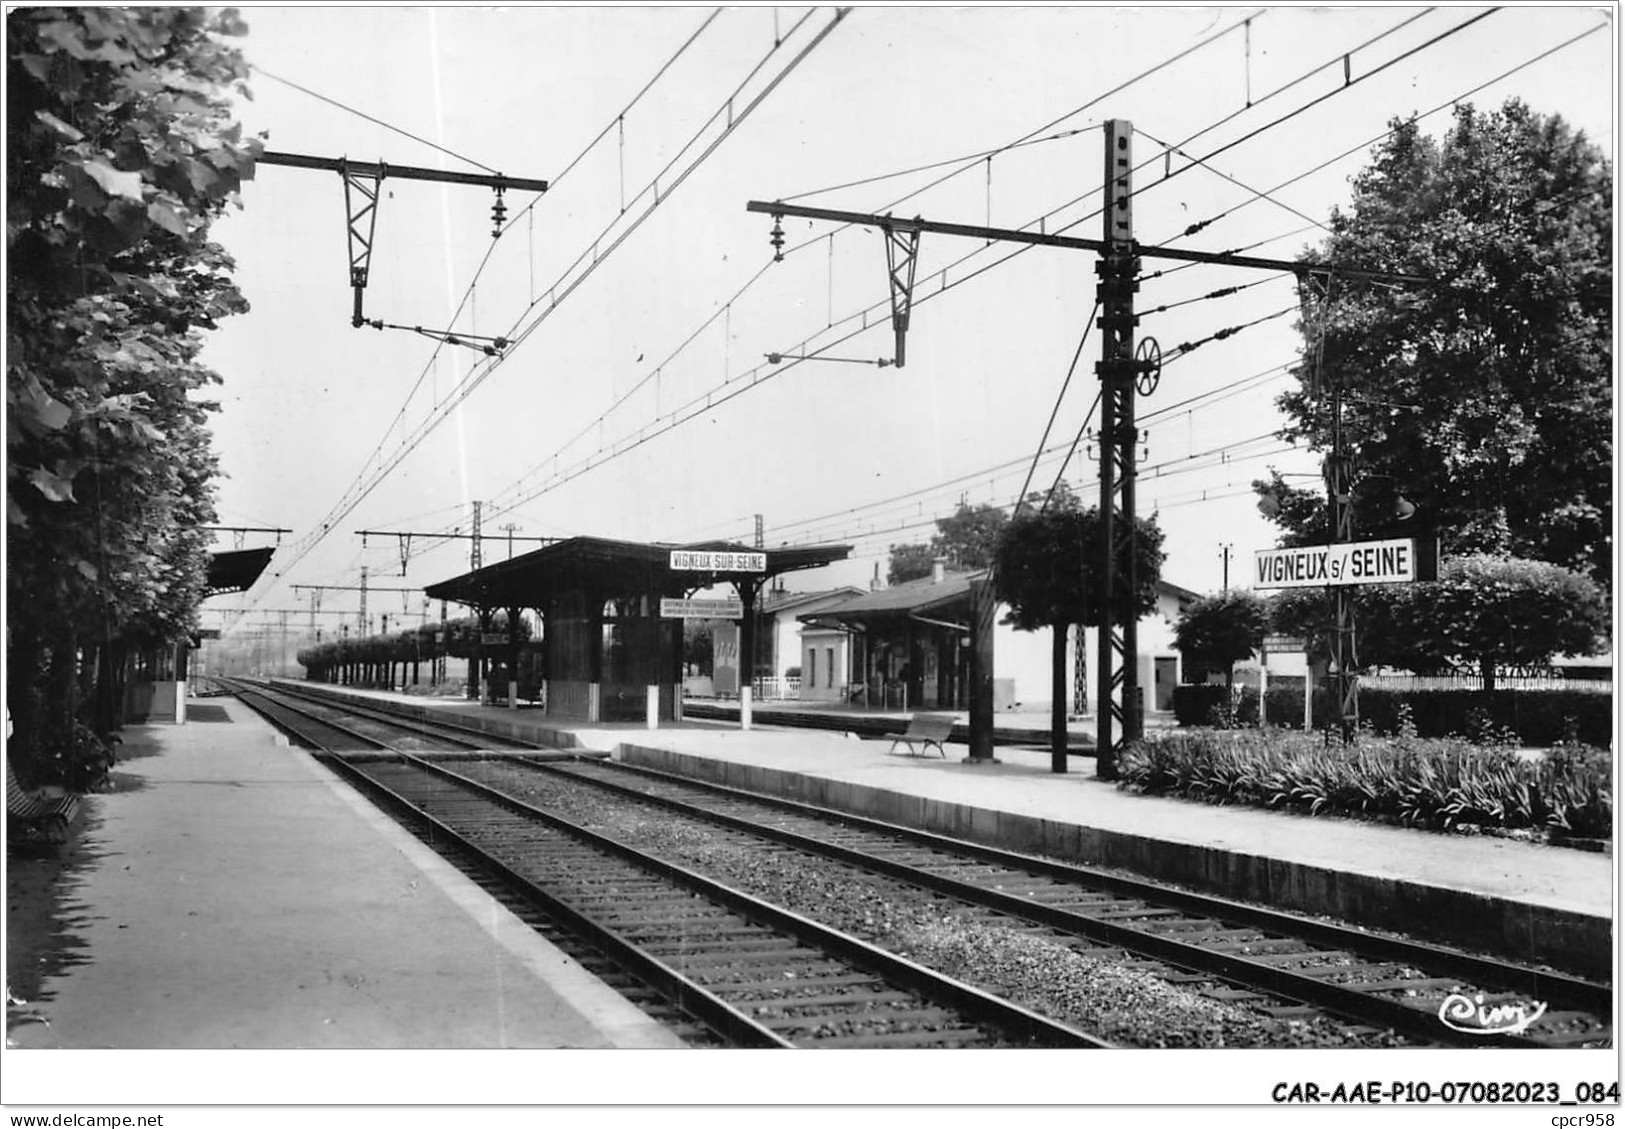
x=758, y=975
x=321, y=722
x=736, y=970
x=1282, y=963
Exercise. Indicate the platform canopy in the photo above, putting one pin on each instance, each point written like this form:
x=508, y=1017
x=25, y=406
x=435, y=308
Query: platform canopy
x=237, y=571
x=622, y=567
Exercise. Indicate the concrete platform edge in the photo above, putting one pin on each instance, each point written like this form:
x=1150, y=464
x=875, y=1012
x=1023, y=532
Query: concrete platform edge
x=524, y=730
x=1578, y=943
x=621, y=1023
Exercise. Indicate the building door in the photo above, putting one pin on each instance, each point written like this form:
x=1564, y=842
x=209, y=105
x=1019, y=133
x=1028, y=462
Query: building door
x=1167, y=677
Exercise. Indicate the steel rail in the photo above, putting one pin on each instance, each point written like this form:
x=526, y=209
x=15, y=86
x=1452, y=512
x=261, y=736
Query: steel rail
x=248, y=696
x=697, y=1001
x=1348, y=1001
x=422, y=726
x=969, y=1001
x=1558, y=986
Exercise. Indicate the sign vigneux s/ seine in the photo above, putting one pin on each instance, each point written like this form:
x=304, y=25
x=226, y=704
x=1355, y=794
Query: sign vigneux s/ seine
x=705, y=560
x=1315, y=566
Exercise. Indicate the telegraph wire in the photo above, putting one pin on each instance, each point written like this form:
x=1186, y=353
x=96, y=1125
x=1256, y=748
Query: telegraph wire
x=1059, y=398
x=1222, y=292
x=1190, y=347
x=974, y=162
x=528, y=212
x=1366, y=145
x=849, y=534
x=1348, y=84
x=619, y=120
x=375, y=121
x=1232, y=144
x=361, y=488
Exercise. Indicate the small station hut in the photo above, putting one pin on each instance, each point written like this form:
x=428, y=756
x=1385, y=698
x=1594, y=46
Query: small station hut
x=606, y=645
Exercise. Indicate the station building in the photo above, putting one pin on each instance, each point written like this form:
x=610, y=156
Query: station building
x=908, y=647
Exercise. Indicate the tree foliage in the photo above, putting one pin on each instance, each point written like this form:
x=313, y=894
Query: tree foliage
x=1483, y=611
x=1484, y=394
x=966, y=539
x=121, y=152
x=1222, y=629
x=1495, y=612
x=1047, y=568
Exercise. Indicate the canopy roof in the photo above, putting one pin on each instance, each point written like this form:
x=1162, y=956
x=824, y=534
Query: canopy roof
x=608, y=568
x=925, y=597
x=238, y=570
x=912, y=597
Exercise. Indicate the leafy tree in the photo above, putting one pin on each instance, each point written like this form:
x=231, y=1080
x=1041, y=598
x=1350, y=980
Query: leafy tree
x=966, y=538
x=1484, y=394
x=1485, y=611
x=120, y=154
x=1046, y=569
x=909, y=562
x=1222, y=629
x=1494, y=612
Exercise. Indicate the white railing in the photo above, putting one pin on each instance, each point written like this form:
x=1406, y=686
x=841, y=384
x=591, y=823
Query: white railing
x=776, y=689
x=1476, y=682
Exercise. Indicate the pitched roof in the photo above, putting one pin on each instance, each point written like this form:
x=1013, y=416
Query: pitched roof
x=914, y=597
x=605, y=565
x=780, y=601
x=903, y=599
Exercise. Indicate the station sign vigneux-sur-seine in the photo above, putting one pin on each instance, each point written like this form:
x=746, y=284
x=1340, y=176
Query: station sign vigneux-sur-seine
x=704, y=560
x=1355, y=562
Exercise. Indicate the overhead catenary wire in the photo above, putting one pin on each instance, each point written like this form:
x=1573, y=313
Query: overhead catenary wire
x=1526, y=63
x=911, y=498
x=1366, y=145
x=364, y=484
x=877, y=307
x=375, y=121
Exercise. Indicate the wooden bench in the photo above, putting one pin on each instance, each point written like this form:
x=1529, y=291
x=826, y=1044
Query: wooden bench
x=44, y=813
x=924, y=731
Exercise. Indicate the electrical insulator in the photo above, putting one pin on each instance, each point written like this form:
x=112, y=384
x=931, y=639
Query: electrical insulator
x=499, y=212
x=777, y=239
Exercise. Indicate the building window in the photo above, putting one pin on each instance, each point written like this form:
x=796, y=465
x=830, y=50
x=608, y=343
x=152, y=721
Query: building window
x=812, y=666
x=829, y=655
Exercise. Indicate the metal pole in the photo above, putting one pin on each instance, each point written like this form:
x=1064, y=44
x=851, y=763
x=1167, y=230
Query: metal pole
x=1119, y=643
x=981, y=670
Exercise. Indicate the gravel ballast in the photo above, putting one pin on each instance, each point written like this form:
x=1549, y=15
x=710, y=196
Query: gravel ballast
x=1049, y=973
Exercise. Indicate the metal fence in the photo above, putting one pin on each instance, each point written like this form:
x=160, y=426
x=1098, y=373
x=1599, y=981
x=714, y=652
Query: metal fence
x=1464, y=681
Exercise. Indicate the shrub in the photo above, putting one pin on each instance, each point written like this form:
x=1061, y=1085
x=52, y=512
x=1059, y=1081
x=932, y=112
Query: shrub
x=1194, y=705
x=1536, y=718
x=1434, y=783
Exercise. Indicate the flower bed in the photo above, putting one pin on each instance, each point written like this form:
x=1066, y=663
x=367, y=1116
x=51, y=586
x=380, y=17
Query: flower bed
x=1441, y=783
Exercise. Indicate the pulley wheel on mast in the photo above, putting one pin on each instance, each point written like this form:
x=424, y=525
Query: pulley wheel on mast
x=1147, y=366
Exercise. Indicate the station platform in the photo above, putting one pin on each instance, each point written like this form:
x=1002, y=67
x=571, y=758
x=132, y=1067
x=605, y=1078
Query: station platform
x=1536, y=903
x=229, y=892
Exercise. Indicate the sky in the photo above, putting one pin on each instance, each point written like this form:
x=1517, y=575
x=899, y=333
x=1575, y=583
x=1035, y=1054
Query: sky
x=636, y=399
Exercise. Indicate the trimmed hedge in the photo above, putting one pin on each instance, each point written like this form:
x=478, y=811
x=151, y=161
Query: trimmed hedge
x=1538, y=718
x=1409, y=780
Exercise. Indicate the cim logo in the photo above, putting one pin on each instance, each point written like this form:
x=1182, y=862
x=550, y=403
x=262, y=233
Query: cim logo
x=1472, y=1016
